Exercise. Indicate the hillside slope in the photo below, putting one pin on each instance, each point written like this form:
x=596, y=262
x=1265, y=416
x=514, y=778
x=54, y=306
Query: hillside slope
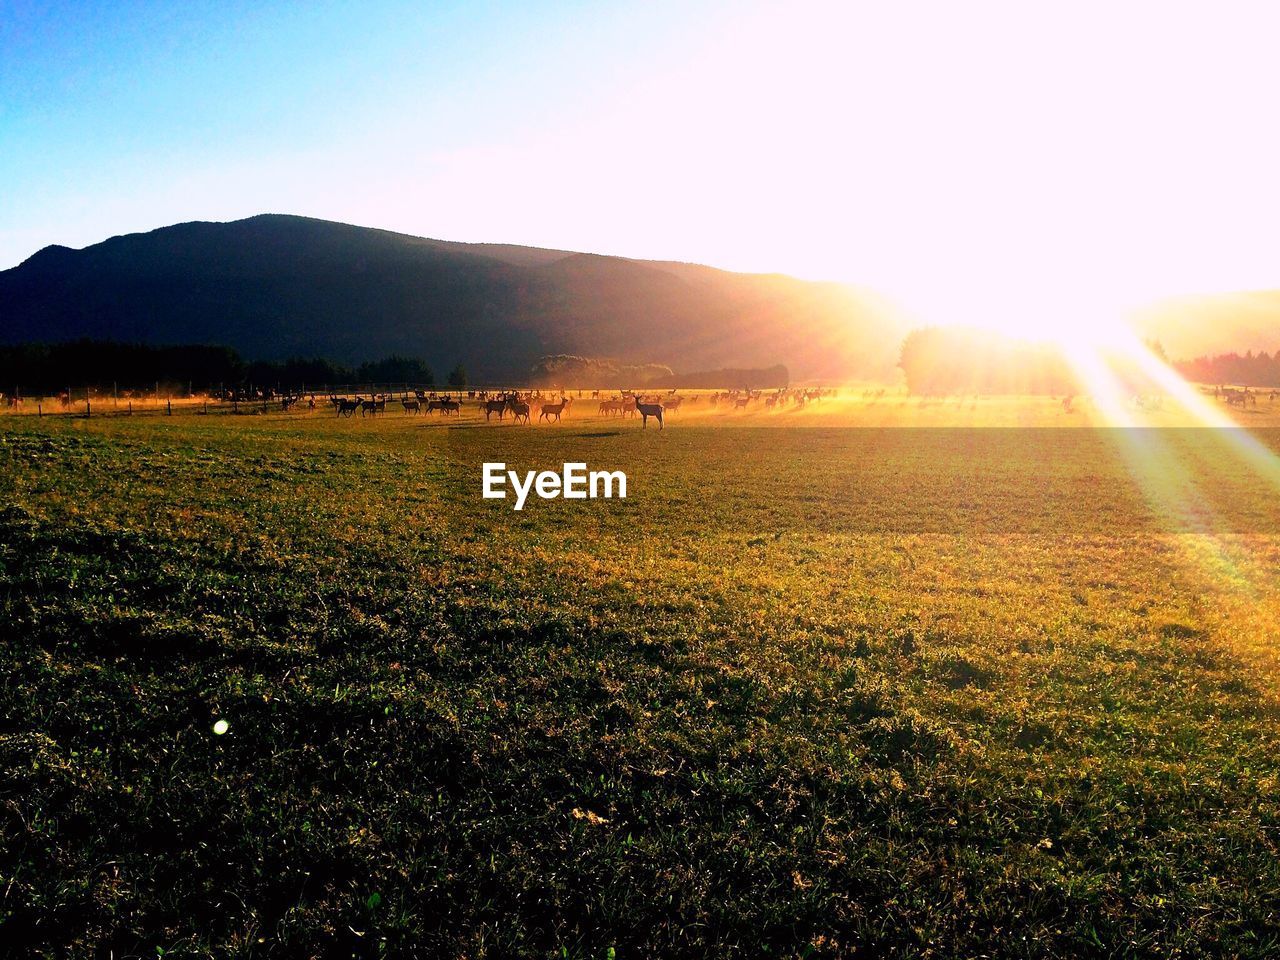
x=276, y=286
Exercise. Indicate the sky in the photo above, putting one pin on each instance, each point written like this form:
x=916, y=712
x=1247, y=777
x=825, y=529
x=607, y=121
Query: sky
x=970, y=159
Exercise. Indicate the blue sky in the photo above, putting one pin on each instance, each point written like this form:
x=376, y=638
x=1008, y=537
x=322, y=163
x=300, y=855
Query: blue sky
x=990, y=157
x=125, y=116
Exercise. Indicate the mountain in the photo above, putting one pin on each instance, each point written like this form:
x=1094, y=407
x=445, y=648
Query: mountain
x=276, y=286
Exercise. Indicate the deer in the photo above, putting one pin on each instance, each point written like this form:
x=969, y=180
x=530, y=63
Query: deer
x=494, y=406
x=550, y=410
x=647, y=410
x=448, y=406
x=519, y=409
x=411, y=406
x=345, y=407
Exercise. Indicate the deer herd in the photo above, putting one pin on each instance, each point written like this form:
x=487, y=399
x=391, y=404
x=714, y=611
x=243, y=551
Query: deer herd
x=529, y=406
x=1241, y=396
x=535, y=406
x=522, y=406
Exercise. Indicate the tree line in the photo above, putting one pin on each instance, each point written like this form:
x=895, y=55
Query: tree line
x=44, y=368
x=559, y=369
x=1250, y=369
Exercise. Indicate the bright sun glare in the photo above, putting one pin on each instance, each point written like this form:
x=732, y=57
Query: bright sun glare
x=1067, y=312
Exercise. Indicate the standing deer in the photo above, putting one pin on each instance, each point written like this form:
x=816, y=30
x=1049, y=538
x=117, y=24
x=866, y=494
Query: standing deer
x=647, y=410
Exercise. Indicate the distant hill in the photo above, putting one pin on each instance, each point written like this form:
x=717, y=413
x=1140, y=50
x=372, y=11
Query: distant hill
x=275, y=287
x=1189, y=327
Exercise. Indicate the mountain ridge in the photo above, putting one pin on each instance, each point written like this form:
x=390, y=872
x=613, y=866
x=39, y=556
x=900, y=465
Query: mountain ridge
x=277, y=285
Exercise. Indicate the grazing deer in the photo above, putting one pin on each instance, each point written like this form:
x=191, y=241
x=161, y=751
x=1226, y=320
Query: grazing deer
x=647, y=410
x=412, y=406
x=550, y=410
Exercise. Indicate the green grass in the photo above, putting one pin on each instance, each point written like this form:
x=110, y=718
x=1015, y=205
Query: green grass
x=818, y=691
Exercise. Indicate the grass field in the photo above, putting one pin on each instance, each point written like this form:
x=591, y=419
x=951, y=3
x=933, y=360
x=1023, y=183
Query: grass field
x=823, y=685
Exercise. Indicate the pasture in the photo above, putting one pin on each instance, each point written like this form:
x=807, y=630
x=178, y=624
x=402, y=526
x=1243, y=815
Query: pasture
x=880, y=677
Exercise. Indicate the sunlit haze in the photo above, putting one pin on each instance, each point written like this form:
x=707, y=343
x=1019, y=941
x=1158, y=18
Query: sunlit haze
x=1031, y=167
